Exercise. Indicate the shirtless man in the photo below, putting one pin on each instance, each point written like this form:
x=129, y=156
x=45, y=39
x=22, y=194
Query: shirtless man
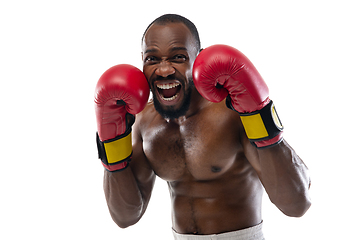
x=194, y=139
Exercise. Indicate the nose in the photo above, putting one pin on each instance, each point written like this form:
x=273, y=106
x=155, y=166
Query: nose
x=164, y=69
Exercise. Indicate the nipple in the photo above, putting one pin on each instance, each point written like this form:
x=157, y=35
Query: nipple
x=215, y=169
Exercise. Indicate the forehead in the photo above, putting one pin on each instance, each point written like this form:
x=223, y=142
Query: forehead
x=167, y=36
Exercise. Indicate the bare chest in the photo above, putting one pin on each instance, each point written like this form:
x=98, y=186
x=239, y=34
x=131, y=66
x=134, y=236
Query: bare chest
x=202, y=147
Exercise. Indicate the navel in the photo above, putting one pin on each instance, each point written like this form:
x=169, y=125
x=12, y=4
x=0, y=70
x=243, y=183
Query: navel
x=215, y=169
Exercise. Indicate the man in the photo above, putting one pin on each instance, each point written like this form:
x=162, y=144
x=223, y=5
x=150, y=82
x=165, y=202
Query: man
x=215, y=162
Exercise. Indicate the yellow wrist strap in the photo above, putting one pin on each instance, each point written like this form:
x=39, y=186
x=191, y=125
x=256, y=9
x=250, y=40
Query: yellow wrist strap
x=118, y=150
x=254, y=126
x=116, y=153
x=263, y=124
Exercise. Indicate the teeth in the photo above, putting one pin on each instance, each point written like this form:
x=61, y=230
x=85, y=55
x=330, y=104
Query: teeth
x=171, y=98
x=167, y=85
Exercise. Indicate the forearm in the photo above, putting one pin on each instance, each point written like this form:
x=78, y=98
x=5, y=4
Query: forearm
x=123, y=197
x=285, y=178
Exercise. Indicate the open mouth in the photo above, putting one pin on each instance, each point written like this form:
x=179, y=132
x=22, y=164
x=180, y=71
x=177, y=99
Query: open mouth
x=168, y=91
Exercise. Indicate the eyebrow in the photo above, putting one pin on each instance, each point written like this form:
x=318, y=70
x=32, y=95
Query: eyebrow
x=178, y=49
x=174, y=49
x=150, y=50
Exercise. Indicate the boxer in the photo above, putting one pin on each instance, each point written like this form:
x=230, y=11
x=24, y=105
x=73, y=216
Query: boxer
x=211, y=132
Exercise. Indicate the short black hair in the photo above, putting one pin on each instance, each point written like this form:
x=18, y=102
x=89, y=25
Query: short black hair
x=174, y=18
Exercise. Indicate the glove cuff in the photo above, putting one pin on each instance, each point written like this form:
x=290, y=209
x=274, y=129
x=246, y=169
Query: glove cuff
x=262, y=127
x=115, y=154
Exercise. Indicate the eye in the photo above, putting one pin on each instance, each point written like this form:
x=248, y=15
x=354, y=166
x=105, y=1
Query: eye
x=150, y=59
x=179, y=58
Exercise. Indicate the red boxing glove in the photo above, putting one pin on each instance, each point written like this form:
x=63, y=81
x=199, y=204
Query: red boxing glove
x=121, y=92
x=222, y=71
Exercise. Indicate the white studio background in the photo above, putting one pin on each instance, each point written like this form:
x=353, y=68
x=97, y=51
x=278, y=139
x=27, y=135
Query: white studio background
x=53, y=52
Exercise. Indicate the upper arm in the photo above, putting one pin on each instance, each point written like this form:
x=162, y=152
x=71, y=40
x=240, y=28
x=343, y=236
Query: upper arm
x=250, y=151
x=139, y=164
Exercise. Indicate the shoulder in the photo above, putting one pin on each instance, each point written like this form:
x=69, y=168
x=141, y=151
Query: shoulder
x=222, y=115
x=218, y=121
x=145, y=117
x=148, y=113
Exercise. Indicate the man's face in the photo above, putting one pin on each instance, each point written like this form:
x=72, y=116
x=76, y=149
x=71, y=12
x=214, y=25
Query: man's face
x=168, y=55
